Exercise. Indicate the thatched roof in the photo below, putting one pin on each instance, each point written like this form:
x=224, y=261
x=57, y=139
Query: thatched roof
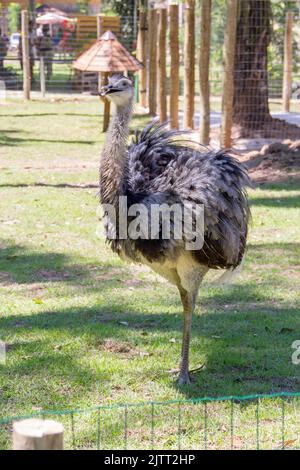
x=107, y=54
x=42, y=9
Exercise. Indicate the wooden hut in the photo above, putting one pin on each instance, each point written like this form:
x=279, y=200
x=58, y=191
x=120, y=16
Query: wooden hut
x=105, y=56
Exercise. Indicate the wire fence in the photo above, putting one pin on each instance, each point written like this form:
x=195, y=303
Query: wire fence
x=237, y=423
x=253, y=105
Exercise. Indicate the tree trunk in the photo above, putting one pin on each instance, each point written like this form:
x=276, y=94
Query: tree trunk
x=141, y=55
x=251, y=107
x=161, y=65
x=189, y=64
x=204, y=62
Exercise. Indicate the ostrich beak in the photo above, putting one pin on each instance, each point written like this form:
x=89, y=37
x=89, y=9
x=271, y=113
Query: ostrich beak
x=107, y=90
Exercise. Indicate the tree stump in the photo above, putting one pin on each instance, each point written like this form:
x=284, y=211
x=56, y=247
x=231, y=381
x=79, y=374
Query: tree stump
x=37, y=434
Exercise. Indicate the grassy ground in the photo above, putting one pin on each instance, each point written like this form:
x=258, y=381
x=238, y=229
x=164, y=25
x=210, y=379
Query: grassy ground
x=82, y=328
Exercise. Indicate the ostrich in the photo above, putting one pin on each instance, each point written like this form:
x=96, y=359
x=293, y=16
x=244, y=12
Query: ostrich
x=160, y=168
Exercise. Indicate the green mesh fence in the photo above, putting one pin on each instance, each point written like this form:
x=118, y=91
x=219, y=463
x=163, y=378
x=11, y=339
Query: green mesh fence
x=236, y=422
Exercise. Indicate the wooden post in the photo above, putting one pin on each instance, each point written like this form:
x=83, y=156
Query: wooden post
x=189, y=63
x=106, y=116
x=228, y=80
x=99, y=33
x=141, y=56
x=161, y=65
x=99, y=26
x=174, y=72
x=25, y=55
x=287, y=62
x=152, y=87
x=42, y=76
x=37, y=434
x=102, y=81
x=204, y=59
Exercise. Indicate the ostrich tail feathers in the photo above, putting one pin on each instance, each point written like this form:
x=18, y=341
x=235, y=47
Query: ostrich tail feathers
x=229, y=276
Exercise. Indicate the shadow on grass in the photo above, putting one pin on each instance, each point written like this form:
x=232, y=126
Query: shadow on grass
x=8, y=141
x=12, y=131
x=286, y=201
x=26, y=266
x=22, y=266
x=245, y=337
x=37, y=115
x=283, y=258
x=19, y=265
x=292, y=185
x=246, y=351
x=49, y=185
x=135, y=118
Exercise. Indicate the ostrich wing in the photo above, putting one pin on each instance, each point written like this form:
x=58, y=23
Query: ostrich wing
x=160, y=163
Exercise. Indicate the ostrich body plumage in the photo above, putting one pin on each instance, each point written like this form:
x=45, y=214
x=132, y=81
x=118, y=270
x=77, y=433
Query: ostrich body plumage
x=165, y=167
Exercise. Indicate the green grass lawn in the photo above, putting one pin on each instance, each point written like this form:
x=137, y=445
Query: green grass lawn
x=83, y=328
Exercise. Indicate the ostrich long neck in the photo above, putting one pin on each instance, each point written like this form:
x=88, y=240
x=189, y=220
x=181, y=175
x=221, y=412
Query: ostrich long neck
x=113, y=159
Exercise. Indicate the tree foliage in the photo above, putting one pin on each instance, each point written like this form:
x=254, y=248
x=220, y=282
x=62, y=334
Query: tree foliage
x=121, y=7
x=14, y=11
x=83, y=6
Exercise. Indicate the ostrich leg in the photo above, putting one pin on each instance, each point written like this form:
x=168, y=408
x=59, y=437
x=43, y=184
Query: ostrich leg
x=188, y=300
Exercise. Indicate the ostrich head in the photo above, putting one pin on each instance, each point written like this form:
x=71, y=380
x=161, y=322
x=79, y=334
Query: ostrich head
x=120, y=90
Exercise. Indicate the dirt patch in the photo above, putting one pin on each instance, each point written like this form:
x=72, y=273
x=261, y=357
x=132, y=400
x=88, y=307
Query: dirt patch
x=6, y=279
x=122, y=348
x=50, y=275
x=277, y=383
x=119, y=347
x=275, y=162
x=35, y=288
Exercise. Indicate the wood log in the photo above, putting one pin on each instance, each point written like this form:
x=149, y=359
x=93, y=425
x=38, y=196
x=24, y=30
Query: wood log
x=37, y=434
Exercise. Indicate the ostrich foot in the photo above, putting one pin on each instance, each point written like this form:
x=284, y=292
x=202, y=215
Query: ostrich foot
x=184, y=378
x=192, y=371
